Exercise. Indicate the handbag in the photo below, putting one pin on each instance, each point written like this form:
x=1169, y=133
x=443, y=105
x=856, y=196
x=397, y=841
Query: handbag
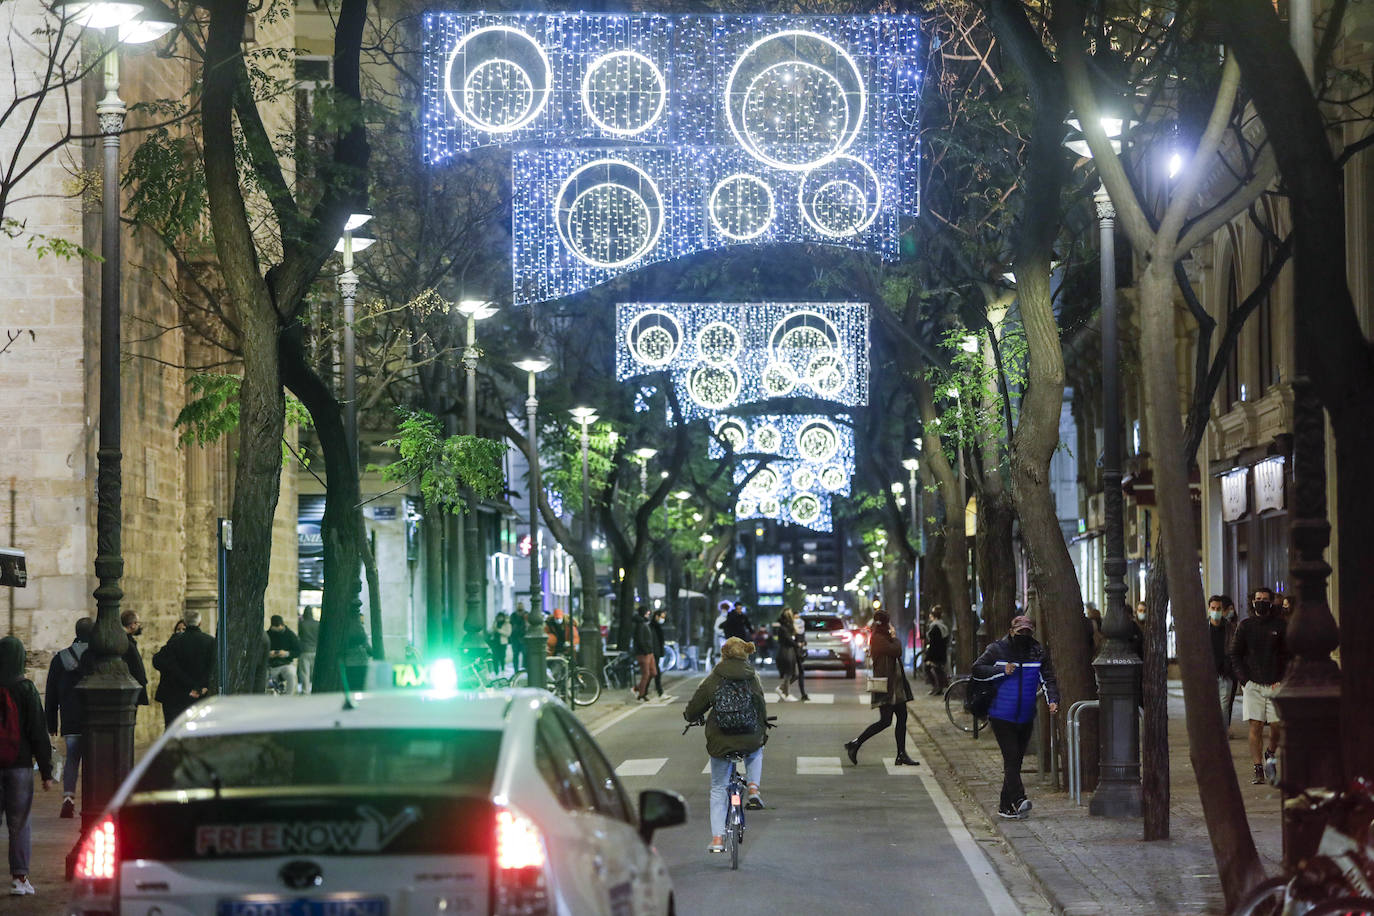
x=872, y=682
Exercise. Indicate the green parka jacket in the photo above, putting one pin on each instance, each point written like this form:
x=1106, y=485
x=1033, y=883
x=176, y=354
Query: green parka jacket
x=719, y=744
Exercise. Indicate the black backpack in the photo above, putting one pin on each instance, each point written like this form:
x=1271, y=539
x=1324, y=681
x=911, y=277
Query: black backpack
x=979, y=696
x=735, y=712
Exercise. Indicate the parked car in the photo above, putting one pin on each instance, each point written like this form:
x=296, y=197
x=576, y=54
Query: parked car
x=829, y=644
x=386, y=804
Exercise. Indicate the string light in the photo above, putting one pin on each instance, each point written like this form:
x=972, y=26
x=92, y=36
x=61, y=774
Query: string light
x=786, y=491
x=722, y=355
x=724, y=130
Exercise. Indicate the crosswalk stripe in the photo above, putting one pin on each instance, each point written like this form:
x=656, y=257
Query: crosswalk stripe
x=890, y=764
x=819, y=766
x=706, y=770
x=824, y=698
x=641, y=767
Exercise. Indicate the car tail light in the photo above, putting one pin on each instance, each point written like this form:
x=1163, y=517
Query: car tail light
x=844, y=636
x=95, y=860
x=521, y=886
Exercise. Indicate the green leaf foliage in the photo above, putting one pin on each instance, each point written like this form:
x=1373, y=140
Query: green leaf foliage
x=449, y=468
x=212, y=411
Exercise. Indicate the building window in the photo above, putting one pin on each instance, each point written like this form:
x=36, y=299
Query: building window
x=1233, y=390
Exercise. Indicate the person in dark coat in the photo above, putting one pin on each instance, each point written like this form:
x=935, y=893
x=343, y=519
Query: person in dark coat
x=785, y=631
x=519, y=622
x=660, y=640
x=736, y=624
x=733, y=666
x=642, y=645
x=65, y=711
x=132, y=659
x=885, y=653
x=1221, y=628
x=16, y=774
x=309, y=629
x=1020, y=666
x=187, y=663
x=283, y=648
x=1259, y=656
x=937, y=651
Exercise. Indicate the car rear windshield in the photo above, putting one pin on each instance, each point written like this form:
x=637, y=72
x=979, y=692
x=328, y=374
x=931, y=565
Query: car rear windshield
x=817, y=624
x=338, y=758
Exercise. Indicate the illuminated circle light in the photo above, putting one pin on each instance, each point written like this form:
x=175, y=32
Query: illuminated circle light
x=767, y=439
x=841, y=198
x=713, y=387
x=624, y=93
x=805, y=508
x=769, y=507
x=741, y=207
x=818, y=441
x=746, y=508
x=826, y=373
x=803, y=478
x=497, y=79
x=731, y=431
x=833, y=477
x=718, y=343
x=778, y=380
x=654, y=337
x=806, y=346
x=764, y=482
x=609, y=213
x=795, y=100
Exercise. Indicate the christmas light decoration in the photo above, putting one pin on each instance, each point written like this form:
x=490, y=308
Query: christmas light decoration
x=676, y=134
x=823, y=446
x=722, y=355
x=787, y=491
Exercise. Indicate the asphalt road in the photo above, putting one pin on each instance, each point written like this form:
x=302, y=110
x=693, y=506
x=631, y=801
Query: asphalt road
x=835, y=838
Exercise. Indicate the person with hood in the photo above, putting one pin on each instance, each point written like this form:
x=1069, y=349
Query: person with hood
x=886, y=652
x=187, y=663
x=1020, y=666
x=642, y=645
x=656, y=623
x=24, y=740
x=65, y=707
x=733, y=726
x=736, y=624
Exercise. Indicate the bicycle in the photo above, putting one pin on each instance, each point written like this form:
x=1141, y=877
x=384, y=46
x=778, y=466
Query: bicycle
x=669, y=660
x=479, y=671
x=574, y=684
x=955, y=695
x=1339, y=878
x=622, y=672
x=736, y=793
x=276, y=681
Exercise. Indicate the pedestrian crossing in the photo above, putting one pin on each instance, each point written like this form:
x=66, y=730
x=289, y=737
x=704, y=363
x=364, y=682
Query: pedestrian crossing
x=801, y=766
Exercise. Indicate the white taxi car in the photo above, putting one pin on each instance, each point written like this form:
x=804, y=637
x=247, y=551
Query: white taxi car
x=388, y=804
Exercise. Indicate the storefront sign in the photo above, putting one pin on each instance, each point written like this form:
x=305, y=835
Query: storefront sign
x=1234, y=494
x=1269, y=484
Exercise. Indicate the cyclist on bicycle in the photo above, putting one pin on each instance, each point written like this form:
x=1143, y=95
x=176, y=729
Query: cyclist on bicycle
x=738, y=723
x=562, y=633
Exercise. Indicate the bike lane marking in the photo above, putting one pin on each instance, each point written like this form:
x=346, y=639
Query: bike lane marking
x=994, y=891
x=647, y=766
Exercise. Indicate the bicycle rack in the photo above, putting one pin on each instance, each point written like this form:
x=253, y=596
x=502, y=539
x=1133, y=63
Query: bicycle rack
x=1076, y=750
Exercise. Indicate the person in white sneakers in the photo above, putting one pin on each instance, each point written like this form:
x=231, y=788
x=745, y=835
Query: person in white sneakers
x=23, y=739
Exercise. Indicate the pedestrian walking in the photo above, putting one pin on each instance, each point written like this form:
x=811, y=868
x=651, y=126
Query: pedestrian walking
x=642, y=645
x=885, y=651
x=1221, y=629
x=1020, y=666
x=282, y=651
x=519, y=622
x=660, y=640
x=1259, y=656
x=736, y=624
x=133, y=628
x=785, y=634
x=23, y=740
x=498, y=641
x=308, y=629
x=187, y=663
x=65, y=713
x=937, y=650
x=738, y=722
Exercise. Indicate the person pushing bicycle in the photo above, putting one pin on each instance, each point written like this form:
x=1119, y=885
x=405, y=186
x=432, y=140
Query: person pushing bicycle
x=738, y=723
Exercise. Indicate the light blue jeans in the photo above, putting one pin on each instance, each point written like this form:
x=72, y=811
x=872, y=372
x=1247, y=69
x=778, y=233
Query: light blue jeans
x=16, y=801
x=720, y=781
x=71, y=767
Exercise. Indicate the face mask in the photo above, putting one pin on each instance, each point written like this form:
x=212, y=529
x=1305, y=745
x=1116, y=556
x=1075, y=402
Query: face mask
x=1215, y=616
x=1262, y=608
x=1140, y=615
x=1022, y=641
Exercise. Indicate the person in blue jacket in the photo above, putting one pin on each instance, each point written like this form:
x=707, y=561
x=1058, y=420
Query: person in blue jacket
x=1020, y=665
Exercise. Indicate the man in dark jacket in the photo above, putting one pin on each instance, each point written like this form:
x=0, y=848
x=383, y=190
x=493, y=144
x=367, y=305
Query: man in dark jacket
x=16, y=772
x=309, y=629
x=1019, y=665
x=733, y=667
x=134, y=628
x=1259, y=656
x=66, y=716
x=736, y=624
x=642, y=645
x=283, y=648
x=1222, y=628
x=187, y=663
x=937, y=650
x=660, y=640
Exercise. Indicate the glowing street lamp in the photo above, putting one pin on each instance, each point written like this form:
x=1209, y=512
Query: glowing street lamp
x=591, y=624
x=535, y=643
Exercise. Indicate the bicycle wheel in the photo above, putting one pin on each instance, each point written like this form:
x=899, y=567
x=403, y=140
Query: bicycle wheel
x=669, y=660
x=585, y=687
x=734, y=830
x=954, y=705
x=1266, y=900
x=520, y=678
x=1344, y=906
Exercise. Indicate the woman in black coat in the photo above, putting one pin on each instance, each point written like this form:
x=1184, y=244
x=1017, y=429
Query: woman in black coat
x=886, y=652
x=786, y=655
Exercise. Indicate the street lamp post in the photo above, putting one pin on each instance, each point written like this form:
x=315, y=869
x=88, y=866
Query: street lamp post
x=535, y=644
x=470, y=540
x=644, y=454
x=348, y=289
x=591, y=618
x=108, y=693
x=913, y=465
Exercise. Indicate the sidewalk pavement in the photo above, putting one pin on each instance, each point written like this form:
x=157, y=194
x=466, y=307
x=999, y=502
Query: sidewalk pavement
x=1086, y=865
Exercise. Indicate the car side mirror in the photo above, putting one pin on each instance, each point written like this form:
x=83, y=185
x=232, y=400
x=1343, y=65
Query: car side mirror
x=658, y=809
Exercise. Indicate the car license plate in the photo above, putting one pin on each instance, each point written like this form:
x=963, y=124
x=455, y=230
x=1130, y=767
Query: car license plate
x=342, y=905
x=818, y=653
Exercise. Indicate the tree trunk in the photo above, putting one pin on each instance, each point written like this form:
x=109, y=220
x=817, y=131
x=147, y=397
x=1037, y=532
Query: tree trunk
x=432, y=532
x=374, y=585
x=1154, y=734
x=996, y=560
x=1222, y=803
x=342, y=528
x=935, y=588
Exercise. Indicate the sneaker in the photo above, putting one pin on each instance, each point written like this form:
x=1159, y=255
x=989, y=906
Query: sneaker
x=755, y=802
x=805, y=698
x=717, y=845
x=68, y=807
x=1023, y=807
x=1008, y=813
x=1268, y=754
x=20, y=887
x=782, y=695
x=1258, y=778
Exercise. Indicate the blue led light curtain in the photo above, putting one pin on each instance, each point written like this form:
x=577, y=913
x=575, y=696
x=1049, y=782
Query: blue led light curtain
x=721, y=355
x=787, y=491
x=819, y=451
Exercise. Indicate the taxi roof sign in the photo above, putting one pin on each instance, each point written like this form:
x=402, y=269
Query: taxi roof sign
x=440, y=674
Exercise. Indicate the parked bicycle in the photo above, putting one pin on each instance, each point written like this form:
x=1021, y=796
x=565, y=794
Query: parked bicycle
x=622, y=672
x=478, y=671
x=669, y=660
x=573, y=684
x=955, y=696
x=1339, y=878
